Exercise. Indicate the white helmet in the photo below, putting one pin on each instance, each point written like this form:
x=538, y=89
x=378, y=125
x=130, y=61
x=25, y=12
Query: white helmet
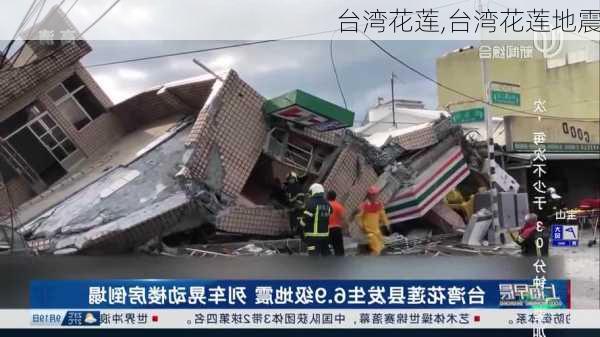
x=315, y=189
x=553, y=194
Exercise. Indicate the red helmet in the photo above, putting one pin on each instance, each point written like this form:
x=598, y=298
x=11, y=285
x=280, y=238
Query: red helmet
x=373, y=190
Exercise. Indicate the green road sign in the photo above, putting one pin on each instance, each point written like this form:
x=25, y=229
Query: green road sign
x=468, y=116
x=505, y=97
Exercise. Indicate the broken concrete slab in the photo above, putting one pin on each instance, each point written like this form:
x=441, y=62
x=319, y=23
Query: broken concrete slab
x=445, y=218
x=259, y=220
x=478, y=227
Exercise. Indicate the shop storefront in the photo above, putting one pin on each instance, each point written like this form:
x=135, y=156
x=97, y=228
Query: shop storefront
x=572, y=152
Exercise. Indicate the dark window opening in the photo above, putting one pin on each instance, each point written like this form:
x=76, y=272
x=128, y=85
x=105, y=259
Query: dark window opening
x=20, y=118
x=37, y=156
x=90, y=103
x=72, y=83
x=76, y=102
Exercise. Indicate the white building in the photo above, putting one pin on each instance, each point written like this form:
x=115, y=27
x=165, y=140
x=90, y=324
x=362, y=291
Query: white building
x=408, y=113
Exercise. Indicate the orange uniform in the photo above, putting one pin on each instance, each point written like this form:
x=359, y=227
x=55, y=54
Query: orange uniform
x=372, y=215
x=337, y=215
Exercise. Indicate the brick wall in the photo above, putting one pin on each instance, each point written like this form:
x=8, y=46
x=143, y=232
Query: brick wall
x=18, y=81
x=150, y=106
x=97, y=134
x=233, y=128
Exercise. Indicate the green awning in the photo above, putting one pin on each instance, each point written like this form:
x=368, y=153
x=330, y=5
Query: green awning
x=300, y=107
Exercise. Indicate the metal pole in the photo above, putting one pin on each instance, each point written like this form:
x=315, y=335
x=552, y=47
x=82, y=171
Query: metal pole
x=208, y=70
x=494, y=233
x=393, y=103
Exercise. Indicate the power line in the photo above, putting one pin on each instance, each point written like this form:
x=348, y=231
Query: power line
x=37, y=17
x=98, y=19
x=74, y=40
x=235, y=45
x=337, y=78
x=39, y=6
x=19, y=28
x=442, y=85
x=73, y=5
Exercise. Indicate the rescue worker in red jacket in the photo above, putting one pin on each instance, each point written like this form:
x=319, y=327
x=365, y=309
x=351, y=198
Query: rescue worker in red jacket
x=315, y=222
x=370, y=217
x=529, y=235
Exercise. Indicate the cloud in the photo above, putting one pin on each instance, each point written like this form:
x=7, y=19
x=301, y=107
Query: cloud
x=117, y=90
x=275, y=68
x=131, y=74
x=222, y=62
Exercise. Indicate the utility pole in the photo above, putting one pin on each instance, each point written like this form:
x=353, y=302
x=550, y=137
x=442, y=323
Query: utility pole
x=494, y=235
x=393, y=103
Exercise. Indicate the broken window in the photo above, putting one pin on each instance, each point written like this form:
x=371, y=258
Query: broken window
x=20, y=118
x=76, y=102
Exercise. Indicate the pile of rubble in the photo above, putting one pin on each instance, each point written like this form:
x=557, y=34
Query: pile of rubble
x=219, y=172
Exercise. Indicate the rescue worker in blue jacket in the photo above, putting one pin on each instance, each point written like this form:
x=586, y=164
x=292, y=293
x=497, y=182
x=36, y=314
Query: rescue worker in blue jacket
x=315, y=221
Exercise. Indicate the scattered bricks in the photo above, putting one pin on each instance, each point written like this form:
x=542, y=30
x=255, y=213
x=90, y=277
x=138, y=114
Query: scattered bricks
x=261, y=220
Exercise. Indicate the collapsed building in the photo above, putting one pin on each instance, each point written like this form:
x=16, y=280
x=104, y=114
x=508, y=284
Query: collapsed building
x=220, y=168
x=213, y=170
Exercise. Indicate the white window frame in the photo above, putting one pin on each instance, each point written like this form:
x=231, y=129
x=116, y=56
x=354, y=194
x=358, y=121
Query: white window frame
x=48, y=131
x=71, y=95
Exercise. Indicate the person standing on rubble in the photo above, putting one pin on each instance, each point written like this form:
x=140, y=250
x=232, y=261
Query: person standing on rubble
x=371, y=215
x=528, y=236
x=294, y=196
x=336, y=222
x=315, y=222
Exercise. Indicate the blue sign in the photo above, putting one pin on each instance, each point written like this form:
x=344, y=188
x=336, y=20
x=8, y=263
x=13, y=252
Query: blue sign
x=565, y=235
x=296, y=294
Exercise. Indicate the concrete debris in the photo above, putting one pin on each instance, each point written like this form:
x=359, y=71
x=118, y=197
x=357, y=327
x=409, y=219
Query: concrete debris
x=244, y=248
x=397, y=244
x=223, y=175
x=477, y=228
x=445, y=218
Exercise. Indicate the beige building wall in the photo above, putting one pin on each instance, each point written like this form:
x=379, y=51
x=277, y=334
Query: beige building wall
x=571, y=90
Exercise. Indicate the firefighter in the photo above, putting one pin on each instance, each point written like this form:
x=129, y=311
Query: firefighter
x=371, y=215
x=294, y=197
x=315, y=221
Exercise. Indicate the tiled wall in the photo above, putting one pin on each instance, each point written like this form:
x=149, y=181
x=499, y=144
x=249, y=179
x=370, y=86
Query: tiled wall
x=254, y=220
x=233, y=127
x=350, y=177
